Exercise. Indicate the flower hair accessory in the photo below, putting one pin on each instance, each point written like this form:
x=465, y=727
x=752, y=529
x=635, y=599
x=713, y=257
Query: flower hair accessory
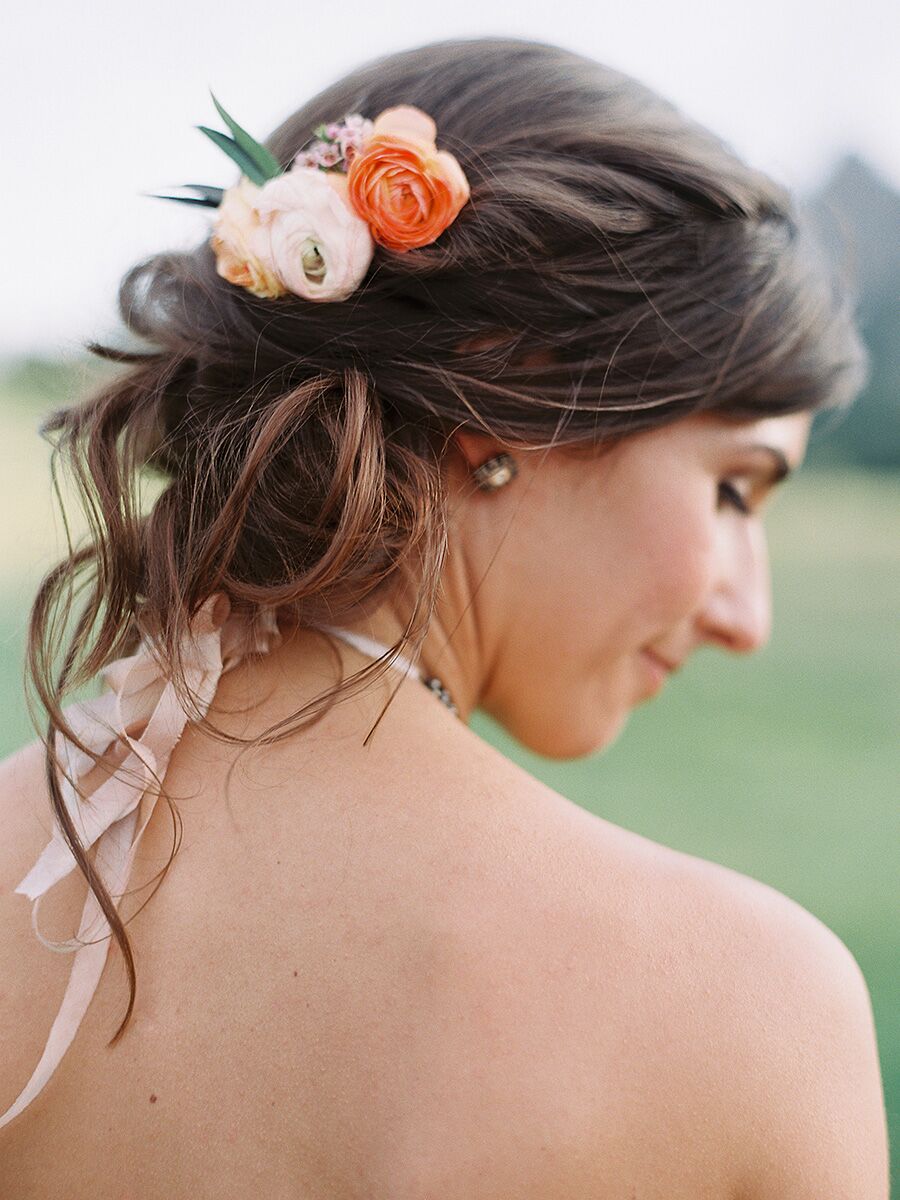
x=311, y=229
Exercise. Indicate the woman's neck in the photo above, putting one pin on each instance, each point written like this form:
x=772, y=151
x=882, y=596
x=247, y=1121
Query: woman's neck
x=437, y=658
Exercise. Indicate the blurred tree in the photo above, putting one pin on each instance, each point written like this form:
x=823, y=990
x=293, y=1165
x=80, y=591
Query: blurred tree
x=857, y=215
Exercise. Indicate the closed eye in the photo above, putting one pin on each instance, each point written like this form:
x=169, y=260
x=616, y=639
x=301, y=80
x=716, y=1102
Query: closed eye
x=729, y=494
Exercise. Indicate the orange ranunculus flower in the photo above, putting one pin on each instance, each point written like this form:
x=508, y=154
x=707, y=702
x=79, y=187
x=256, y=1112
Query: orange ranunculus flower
x=407, y=189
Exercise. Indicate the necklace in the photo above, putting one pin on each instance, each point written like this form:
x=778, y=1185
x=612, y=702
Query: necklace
x=367, y=645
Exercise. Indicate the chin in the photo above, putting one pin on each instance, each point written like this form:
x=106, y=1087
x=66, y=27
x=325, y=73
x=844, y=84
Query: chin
x=563, y=737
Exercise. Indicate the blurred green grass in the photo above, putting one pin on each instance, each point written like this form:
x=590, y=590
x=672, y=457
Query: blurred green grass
x=783, y=766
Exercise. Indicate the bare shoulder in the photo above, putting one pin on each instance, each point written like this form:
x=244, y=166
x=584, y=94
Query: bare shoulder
x=747, y=1021
x=26, y=818
x=750, y=1021
x=25, y=814
x=32, y=978
x=786, y=1011
x=816, y=1121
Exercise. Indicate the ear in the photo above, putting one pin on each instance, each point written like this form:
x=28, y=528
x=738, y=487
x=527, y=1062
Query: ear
x=476, y=448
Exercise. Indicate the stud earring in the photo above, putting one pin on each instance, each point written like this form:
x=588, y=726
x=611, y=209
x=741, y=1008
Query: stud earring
x=496, y=472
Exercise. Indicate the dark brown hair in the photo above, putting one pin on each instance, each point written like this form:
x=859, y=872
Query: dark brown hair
x=618, y=266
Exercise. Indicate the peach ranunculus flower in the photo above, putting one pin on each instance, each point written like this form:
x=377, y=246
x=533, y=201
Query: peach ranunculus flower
x=401, y=184
x=240, y=245
x=319, y=247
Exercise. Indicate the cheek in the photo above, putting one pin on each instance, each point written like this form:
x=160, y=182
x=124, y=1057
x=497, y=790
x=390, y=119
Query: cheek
x=642, y=566
x=676, y=557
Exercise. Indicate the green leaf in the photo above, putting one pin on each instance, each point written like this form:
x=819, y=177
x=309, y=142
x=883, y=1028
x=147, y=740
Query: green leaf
x=236, y=154
x=209, y=197
x=267, y=162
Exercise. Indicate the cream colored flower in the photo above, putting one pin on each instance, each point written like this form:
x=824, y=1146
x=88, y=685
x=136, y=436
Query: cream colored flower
x=241, y=244
x=319, y=247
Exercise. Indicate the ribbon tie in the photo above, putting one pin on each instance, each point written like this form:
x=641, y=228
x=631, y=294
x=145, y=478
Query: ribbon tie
x=142, y=711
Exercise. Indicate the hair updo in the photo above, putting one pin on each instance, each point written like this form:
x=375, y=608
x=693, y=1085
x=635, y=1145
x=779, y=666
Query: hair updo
x=616, y=267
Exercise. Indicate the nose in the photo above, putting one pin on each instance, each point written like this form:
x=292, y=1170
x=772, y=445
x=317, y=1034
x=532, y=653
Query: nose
x=737, y=614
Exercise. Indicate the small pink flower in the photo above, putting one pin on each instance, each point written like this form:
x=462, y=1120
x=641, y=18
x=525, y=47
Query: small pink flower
x=347, y=138
x=310, y=156
x=350, y=141
x=329, y=155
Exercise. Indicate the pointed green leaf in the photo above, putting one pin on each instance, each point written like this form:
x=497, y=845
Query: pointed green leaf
x=209, y=197
x=212, y=194
x=236, y=154
x=267, y=162
x=206, y=202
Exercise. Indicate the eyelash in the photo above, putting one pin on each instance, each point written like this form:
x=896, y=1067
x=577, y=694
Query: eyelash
x=729, y=494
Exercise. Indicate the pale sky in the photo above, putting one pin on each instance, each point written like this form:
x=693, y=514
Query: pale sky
x=100, y=100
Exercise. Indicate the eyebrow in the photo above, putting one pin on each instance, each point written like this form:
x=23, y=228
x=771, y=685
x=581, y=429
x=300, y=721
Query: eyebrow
x=781, y=468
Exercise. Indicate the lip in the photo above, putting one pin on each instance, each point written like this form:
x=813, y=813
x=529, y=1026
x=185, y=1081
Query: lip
x=657, y=668
x=669, y=666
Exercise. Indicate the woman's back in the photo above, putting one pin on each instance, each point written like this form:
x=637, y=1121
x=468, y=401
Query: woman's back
x=401, y=970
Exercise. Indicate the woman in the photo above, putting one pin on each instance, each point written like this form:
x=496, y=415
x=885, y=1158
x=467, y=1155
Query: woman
x=524, y=454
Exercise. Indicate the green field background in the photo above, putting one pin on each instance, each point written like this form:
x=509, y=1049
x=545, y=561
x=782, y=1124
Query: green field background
x=783, y=765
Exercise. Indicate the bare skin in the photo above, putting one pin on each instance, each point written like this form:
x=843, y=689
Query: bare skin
x=409, y=970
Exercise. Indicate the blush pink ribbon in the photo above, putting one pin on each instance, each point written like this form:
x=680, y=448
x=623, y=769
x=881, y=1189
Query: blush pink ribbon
x=142, y=709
